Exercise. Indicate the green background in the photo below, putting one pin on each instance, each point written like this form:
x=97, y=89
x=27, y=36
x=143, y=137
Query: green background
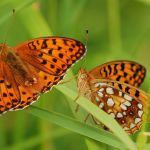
x=118, y=29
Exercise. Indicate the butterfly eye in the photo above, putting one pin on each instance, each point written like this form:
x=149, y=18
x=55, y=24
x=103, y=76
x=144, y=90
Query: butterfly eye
x=83, y=76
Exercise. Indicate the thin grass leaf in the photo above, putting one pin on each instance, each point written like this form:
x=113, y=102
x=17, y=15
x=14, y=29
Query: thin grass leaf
x=36, y=140
x=114, y=26
x=3, y=136
x=147, y=147
x=18, y=5
x=145, y=1
x=19, y=130
x=101, y=116
x=39, y=25
x=76, y=126
x=95, y=146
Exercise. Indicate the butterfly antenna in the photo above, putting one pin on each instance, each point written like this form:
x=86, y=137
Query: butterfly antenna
x=86, y=37
x=9, y=27
x=86, y=45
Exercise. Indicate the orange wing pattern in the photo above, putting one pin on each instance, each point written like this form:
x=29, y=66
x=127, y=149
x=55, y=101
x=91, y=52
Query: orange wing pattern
x=52, y=55
x=9, y=92
x=33, y=67
x=124, y=71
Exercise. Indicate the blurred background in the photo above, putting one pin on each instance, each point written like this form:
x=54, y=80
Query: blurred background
x=118, y=29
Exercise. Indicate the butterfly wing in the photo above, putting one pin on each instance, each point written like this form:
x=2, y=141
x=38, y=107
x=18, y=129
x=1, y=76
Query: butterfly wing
x=9, y=91
x=53, y=55
x=49, y=58
x=30, y=94
x=123, y=71
x=123, y=102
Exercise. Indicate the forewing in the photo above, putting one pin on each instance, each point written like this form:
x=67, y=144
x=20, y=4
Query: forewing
x=53, y=55
x=127, y=107
x=123, y=71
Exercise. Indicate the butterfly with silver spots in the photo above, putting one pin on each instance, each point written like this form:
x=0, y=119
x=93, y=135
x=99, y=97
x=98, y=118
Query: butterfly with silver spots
x=119, y=97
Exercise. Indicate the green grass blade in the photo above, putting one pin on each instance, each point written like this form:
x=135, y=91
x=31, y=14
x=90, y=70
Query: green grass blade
x=145, y=1
x=76, y=126
x=114, y=26
x=95, y=146
x=18, y=5
x=36, y=140
x=19, y=130
x=39, y=25
x=147, y=147
x=101, y=116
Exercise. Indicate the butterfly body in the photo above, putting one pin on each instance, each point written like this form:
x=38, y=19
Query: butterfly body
x=83, y=84
x=34, y=67
x=124, y=102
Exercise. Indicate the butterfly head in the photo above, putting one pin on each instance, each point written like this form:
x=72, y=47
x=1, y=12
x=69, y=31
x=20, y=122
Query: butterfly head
x=3, y=47
x=82, y=75
x=83, y=82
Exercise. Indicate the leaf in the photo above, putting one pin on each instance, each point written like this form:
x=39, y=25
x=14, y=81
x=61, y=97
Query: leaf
x=76, y=126
x=101, y=116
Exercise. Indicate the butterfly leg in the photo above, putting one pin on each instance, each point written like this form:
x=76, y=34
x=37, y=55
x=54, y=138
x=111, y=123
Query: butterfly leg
x=86, y=118
x=77, y=107
x=100, y=124
x=74, y=77
x=77, y=98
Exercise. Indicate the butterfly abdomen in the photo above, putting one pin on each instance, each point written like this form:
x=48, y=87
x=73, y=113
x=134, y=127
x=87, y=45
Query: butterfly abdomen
x=20, y=69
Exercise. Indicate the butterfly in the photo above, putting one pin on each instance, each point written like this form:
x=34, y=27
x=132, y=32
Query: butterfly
x=34, y=67
x=113, y=87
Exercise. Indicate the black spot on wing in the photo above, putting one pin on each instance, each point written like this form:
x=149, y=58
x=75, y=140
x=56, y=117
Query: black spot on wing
x=44, y=44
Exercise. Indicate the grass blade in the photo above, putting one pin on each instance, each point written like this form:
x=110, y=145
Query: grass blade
x=76, y=126
x=101, y=116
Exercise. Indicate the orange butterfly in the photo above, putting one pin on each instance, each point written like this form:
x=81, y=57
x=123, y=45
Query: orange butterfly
x=33, y=67
x=113, y=88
